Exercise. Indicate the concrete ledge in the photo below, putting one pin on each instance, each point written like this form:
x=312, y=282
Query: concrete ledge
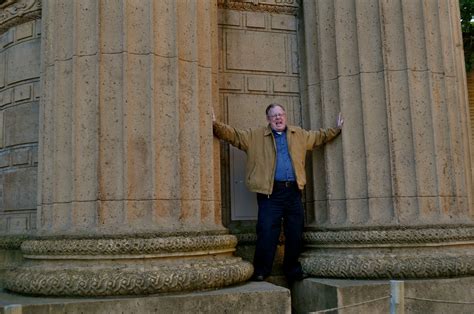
x=251, y=297
x=319, y=294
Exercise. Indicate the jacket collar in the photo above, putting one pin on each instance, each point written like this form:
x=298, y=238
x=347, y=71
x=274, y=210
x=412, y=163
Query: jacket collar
x=268, y=129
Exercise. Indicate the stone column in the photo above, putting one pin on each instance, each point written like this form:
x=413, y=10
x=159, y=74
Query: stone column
x=392, y=196
x=128, y=198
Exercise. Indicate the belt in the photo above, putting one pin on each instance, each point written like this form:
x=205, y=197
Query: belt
x=286, y=184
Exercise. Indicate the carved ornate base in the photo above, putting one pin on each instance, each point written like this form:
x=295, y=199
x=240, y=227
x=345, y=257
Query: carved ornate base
x=10, y=254
x=410, y=253
x=138, y=266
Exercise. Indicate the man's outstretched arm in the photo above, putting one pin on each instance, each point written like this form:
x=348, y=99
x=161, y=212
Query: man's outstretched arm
x=236, y=137
x=316, y=138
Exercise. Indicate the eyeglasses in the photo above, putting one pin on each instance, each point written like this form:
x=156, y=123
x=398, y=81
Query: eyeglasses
x=278, y=115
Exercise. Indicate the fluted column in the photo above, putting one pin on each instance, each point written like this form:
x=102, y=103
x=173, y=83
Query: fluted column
x=128, y=174
x=392, y=197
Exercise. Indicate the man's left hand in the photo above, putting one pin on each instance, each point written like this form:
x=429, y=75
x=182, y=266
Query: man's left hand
x=340, y=120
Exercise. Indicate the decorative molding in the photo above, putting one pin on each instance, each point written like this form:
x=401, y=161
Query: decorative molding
x=15, y=12
x=6, y=3
x=108, y=266
x=394, y=236
x=120, y=280
x=245, y=238
x=289, y=7
x=138, y=246
x=428, y=235
x=10, y=242
x=385, y=266
x=408, y=253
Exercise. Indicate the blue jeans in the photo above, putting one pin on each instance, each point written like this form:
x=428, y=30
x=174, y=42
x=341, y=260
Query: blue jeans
x=284, y=203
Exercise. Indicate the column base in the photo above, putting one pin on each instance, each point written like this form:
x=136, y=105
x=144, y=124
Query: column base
x=127, y=266
x=374, y=254
x=10, y=254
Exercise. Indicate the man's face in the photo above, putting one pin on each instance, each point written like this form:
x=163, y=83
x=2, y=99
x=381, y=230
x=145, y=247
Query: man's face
x=277, y=119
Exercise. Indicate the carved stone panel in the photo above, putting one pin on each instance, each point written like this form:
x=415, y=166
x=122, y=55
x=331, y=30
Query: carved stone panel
x=19, y=115
x=15, y=12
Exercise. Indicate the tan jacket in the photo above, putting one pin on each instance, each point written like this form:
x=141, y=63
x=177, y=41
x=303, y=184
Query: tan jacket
x=259, y=144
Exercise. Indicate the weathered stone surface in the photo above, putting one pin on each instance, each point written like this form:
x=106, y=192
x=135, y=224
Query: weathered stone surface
x=284, y=22
x=406, y=253
x=141, y=120
x=21, y=124
x=146, y=265
x=22, y=61
x=317, y=294
x=22, y=92
x=267, y=56
x=6, y=97
x=18, y=12
x=289, y=7
x=19, y=189
x=2, y=69
x=24, y=30
x=150, y=245
x=9, y=259
x=20, y=156
x=16, y=224
x=149, y=278
x=399, y=164
x=248, y=298
x=254, y=20
x=257, y=83
x=4, y=159
x=120, y=143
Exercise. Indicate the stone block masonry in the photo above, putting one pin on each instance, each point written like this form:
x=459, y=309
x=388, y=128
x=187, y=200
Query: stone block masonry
x=19, y=121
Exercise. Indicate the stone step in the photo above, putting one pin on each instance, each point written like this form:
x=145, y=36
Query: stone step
x=251, y=297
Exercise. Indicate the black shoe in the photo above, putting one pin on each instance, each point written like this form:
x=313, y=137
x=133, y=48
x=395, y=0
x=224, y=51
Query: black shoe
x=304, y=276
x=301, y=276
x=258, y=278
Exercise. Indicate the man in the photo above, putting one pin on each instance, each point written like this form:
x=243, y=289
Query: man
x=275, y=170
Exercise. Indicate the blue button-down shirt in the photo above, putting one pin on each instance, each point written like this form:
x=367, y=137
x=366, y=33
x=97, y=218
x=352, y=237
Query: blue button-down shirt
x=284, y=167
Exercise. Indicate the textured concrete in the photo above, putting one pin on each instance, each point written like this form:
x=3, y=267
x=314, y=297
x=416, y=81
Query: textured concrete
x=127, y=118
x=319, y=294
x=19, y=189
x=9, y=258
x=19, y=122
x=251, y=297
x=394, y=69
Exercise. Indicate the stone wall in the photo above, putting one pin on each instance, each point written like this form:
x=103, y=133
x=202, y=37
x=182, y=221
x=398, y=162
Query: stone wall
x=19, y=99
x=20, y=31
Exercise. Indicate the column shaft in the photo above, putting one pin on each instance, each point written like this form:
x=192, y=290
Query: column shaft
x=128, y=136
